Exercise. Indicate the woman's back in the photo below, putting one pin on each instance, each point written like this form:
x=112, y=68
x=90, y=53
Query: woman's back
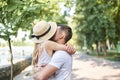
x=44, y=58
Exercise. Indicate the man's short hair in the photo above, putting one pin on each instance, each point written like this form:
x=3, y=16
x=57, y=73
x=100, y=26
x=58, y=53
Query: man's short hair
x=67, y=30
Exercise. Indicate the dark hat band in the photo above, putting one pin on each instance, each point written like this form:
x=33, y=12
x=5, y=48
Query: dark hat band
x=38, y=36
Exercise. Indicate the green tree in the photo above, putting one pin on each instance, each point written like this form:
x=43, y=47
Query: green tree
x=115, y=13
x=15, y=14
x=92, y=20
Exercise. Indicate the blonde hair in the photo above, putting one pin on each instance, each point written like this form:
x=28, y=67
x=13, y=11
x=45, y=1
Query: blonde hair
x=34, y=55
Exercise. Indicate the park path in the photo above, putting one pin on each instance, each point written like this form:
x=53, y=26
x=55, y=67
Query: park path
x=88, y=68
x=92, y=68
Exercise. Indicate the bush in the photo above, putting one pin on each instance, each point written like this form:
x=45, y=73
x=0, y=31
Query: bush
x=111, y=55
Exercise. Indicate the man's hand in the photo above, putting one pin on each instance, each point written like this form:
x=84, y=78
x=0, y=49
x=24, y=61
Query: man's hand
x=46, y=72
x=37, y=69
x=70, y=49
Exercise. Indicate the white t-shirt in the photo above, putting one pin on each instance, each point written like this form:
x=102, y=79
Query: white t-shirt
x=63, y=61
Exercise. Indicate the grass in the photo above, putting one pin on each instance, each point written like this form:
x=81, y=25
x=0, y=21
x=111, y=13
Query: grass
x=112, y=55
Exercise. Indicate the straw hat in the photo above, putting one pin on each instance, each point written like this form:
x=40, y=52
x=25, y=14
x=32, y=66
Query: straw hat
x=43, y=31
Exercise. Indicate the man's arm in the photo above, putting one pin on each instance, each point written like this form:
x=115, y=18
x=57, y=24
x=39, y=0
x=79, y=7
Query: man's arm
x=45, y=72
x=56, y=62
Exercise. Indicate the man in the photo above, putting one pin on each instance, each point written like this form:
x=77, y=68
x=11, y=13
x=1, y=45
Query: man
x=61, y=62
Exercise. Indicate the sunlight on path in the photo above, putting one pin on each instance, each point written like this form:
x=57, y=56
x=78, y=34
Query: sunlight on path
x=85, y=68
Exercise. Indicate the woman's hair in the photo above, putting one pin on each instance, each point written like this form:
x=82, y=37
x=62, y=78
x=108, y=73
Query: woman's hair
x=34, y=55
x=35, y=52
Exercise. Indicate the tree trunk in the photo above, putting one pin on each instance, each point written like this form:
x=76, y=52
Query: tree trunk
x=99, y=47
x=97, y=51
x=108, y=44
x=11, y=59
x=104, y=50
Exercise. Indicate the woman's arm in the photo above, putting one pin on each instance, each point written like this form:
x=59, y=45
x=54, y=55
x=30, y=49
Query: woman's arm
x=56, y=46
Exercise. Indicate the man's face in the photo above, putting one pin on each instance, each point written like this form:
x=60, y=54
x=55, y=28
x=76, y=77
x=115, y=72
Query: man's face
x=57, y=34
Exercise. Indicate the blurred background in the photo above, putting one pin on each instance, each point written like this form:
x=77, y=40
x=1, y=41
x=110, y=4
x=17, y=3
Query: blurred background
x=95, y=25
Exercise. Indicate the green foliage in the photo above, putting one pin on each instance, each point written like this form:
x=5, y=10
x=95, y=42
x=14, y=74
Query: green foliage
x=94, y=19
x=17, y=14
x=111, y=55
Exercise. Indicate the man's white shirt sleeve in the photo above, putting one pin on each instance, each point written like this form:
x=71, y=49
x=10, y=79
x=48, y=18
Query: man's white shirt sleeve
x=58, y=59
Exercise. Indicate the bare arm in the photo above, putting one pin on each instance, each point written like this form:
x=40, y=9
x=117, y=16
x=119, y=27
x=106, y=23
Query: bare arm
x=56, y=63
x=45, y=73
x=56, y=46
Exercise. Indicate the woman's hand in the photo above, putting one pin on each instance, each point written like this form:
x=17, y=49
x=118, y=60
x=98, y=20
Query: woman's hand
x=70, y=49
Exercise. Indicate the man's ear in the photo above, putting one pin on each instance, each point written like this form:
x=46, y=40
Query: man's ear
x=61, y=36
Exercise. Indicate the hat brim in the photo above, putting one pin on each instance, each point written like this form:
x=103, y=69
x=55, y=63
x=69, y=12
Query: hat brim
x=48, y=35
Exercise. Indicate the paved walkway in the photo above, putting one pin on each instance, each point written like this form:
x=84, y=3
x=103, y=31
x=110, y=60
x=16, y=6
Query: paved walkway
x=88, y=68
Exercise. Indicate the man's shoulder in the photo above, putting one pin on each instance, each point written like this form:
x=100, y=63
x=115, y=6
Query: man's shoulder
x=60, y=51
